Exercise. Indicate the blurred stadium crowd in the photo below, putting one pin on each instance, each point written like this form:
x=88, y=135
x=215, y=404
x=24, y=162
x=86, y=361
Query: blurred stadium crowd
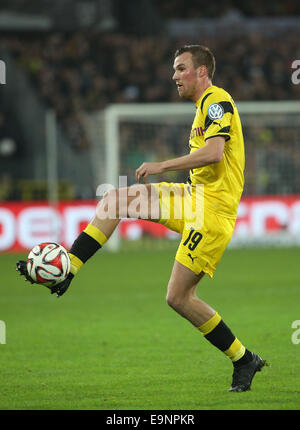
x=189, y=10
x=84, y=71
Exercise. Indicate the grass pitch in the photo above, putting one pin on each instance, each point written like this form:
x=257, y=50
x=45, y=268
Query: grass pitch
x=112, y=343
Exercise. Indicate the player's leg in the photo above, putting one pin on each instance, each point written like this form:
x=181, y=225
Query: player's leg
x=181, y=296
x=137, y=201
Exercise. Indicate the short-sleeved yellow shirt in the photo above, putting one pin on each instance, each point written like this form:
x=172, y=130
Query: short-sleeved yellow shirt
x=223, y=182
x=216, y=187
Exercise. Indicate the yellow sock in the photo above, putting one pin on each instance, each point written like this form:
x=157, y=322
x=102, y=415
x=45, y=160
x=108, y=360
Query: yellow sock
x=84, y=247
x=76, y=263
x=217, y=333
x=235, y=351
x=96, y=234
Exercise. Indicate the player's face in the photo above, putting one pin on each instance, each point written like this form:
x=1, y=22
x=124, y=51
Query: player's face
x=185, y=76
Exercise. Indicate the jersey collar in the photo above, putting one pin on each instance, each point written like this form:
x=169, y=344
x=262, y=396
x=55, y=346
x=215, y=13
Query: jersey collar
x=203, y=95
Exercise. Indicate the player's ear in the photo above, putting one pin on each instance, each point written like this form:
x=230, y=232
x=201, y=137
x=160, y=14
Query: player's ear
x=201, y=71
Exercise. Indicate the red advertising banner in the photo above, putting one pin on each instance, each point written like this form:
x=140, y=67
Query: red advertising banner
x=23, y=225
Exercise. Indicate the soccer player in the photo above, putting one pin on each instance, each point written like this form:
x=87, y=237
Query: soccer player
x=215, y=164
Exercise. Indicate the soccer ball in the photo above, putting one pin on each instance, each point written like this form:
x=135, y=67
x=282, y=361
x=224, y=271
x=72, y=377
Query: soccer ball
x=48, y=264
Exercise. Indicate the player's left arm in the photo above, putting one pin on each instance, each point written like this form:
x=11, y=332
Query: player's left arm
x=211, y=152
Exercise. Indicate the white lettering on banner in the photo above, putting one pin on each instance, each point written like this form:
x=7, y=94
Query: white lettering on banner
x=242, y=226
x=73, y=216
x=294, y=227
x=38, y=224
x=7, y=229
x=261, y=211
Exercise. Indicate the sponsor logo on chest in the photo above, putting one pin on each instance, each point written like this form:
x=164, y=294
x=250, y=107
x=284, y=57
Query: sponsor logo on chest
x=197, y=132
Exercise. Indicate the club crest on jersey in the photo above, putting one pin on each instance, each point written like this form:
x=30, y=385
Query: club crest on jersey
x=215, y=111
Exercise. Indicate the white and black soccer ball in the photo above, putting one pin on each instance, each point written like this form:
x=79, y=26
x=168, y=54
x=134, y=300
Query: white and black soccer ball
x=48, y=264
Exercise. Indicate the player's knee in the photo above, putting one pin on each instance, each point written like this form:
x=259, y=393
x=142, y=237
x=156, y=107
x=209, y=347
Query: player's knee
x=174, y=301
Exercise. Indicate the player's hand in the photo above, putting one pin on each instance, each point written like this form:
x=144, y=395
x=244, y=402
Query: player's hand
x=147, y=169
x=22, y=269
x=62, y=287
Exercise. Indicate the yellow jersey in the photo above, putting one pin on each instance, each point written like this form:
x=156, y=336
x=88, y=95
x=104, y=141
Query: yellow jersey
x=223, y=182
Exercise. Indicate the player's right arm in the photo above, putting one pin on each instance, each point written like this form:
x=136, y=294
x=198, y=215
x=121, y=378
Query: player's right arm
x=211, y=152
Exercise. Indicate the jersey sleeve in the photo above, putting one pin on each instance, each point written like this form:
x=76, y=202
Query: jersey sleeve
x=217, y=111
